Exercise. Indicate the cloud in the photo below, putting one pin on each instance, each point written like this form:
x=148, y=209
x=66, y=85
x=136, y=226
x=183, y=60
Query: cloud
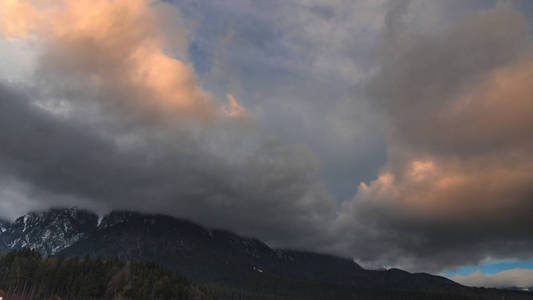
x=114, y=118
x=297, y=65
x=457, y=184
x=521, y=278
x=119, y=48
x=234, y=109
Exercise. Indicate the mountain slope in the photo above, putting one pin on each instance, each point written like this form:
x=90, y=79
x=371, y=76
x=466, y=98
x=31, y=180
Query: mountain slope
x=223, y=260
x=4, y=226
x=49, y=232
x=205, y=255
x=223, y=257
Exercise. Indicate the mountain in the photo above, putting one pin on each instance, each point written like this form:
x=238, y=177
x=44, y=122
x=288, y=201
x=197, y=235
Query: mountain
x=48, y=232
x=222, y=260
x=4, y=225
x=223, y=257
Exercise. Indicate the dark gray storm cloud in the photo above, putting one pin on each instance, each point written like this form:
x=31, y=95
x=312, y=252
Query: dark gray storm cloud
x=113, y=122
x=168, y=172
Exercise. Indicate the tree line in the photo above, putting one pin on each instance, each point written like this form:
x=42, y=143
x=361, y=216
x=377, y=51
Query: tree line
x=25, y=274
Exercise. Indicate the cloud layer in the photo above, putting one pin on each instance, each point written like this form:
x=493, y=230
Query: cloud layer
x=115, y=122
x=116, y=116
x=116, y=48
x=457, y=185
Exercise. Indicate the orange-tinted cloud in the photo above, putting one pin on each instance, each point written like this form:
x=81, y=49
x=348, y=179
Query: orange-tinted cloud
x=234, y=109
x=457, y=186
x=117, y=47
x=474, y=152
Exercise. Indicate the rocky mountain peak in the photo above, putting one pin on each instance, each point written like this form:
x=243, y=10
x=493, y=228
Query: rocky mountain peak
x=49, y=231
x=206, y=255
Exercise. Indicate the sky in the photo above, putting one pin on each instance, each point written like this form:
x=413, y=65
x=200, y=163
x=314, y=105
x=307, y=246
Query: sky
x=395, y=132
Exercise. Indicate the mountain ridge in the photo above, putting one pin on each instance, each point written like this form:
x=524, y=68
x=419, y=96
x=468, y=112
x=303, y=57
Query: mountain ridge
x=48, y=232
x=207, y=256
x=134, y=235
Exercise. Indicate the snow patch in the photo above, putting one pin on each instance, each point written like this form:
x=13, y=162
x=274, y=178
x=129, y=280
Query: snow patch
x=100, y=218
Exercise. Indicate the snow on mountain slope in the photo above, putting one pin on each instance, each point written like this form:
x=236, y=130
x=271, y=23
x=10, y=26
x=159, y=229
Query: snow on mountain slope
x=50, y=231
x=4, y=226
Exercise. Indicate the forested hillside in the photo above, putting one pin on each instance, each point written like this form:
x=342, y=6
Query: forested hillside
x=75, y=258
x=26, y=275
